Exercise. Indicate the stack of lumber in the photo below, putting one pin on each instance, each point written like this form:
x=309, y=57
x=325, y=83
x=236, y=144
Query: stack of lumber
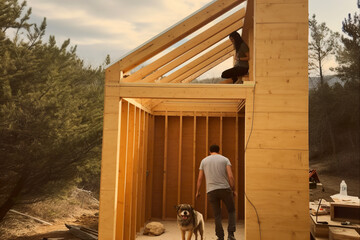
x=82, y=232
x=336, y=220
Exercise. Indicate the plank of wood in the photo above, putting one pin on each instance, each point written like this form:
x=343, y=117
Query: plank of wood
x=337, y=233
x=182, y=91
x=282, y=12
x=34, y=218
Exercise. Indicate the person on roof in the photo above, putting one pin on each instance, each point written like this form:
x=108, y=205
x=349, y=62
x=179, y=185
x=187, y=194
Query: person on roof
x=241, y=58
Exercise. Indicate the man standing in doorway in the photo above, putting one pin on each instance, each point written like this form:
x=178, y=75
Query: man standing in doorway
x=220, y=186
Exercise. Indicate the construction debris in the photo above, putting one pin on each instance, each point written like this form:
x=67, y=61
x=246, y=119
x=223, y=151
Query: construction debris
x=82, y=232
x=34, y=218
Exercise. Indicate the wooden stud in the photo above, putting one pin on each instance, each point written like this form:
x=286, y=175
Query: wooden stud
x=122, y=169
x=144, y=156
x=135, y=159
x=237, y=163
x=140, y=170
x=109, y=169
x=129, y=171
x=165, y=167
x=179, y=158
x=194, y=162
x=206, y=153
x=150, y=165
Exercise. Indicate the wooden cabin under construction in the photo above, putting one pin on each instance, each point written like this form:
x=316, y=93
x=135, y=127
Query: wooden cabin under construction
x=158, y=124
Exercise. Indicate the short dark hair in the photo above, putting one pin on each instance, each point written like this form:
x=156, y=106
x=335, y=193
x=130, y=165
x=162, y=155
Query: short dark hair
x=214, y=148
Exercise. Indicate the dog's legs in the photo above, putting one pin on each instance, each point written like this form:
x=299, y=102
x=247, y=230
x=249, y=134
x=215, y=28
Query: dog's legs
x=190, y=234
x=182, y=235
x=195, y=233
x=201, y=230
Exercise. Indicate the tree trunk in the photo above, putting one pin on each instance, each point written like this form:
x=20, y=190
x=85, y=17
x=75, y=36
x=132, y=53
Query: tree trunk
x=10, y=202
x=332, y=139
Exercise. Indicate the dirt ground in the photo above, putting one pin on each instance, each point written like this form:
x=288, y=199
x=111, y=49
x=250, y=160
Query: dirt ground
x=30, y=230
x=331, y=182
x=16, y=227
x=172, y=231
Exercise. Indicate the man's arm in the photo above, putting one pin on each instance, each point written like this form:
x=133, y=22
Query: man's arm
x=231, y=178
x=199, y=181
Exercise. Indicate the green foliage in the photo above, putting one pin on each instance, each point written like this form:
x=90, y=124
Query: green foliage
x=348, y=56
x=51, y=108
x=334, y=110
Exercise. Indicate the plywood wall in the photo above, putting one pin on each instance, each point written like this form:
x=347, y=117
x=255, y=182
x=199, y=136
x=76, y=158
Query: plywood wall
x=180, y=143
x=276, y=159
x=124, y=165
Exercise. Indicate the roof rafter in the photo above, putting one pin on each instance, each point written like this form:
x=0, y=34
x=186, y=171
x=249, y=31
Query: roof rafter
x=199, y=63
x=189, y=49
x=170, y=36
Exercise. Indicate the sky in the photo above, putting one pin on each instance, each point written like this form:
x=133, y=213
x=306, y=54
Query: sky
x=116, y=27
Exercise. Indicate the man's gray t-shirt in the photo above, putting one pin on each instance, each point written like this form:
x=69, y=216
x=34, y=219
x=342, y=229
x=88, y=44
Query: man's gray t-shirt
x=214, y=167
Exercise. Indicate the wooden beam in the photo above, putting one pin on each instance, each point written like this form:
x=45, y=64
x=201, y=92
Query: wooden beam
x=200, y=62
x=179, y=158
x=171, y=36
x=210, y=106
x=182, y=91
x=194, y=162
x=207, y=68
x=206, y=154
x=165, y=168
x=122, y=167
x=186, y=55
x=199, y=114
x=129, y=170
x=109, y=168
x=237, y=163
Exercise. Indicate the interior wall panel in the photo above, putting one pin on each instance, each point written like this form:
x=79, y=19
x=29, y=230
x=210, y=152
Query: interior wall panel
x=208, y=131
x=213, y=138
x=201, y=152
x=158, y=166
x=187, y=167
x=172, y=166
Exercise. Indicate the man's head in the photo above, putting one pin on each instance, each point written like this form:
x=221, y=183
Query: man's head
x=214, y=149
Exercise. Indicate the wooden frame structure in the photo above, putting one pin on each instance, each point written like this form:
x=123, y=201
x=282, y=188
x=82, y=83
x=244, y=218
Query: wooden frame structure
x=158, y=126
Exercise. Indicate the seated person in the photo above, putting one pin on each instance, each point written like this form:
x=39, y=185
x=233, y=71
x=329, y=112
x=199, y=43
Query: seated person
x=241, y=58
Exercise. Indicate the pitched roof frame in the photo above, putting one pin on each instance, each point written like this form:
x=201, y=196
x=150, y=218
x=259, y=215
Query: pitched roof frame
x=189, y=49
x=169, y=37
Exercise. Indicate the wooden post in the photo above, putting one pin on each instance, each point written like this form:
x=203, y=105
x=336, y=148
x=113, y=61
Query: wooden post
x=109, y=168
x=165, y=167
x=206, y=153
x=129, y=171
x=179, y=159
x=122, y=169
x=194, y=162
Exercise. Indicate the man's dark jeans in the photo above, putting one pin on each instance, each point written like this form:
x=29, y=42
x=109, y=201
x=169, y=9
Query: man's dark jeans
x=214, y=198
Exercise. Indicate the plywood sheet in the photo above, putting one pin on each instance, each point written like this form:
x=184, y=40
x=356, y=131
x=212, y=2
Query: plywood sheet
x=158, y=166
x=172, y=166
x=187, y=166
x=282, y=31
x=201, y=152
x=282, y=12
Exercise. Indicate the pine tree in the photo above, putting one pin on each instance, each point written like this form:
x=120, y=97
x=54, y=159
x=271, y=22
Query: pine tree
x=50, y=112
x=323, y=43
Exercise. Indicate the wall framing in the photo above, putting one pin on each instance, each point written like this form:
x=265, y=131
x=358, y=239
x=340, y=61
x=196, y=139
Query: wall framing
x=274, y=113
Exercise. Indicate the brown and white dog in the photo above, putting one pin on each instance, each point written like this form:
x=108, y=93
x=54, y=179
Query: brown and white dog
x=190, y=221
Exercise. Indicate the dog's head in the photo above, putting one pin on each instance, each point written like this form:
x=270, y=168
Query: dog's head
x=184, y=211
